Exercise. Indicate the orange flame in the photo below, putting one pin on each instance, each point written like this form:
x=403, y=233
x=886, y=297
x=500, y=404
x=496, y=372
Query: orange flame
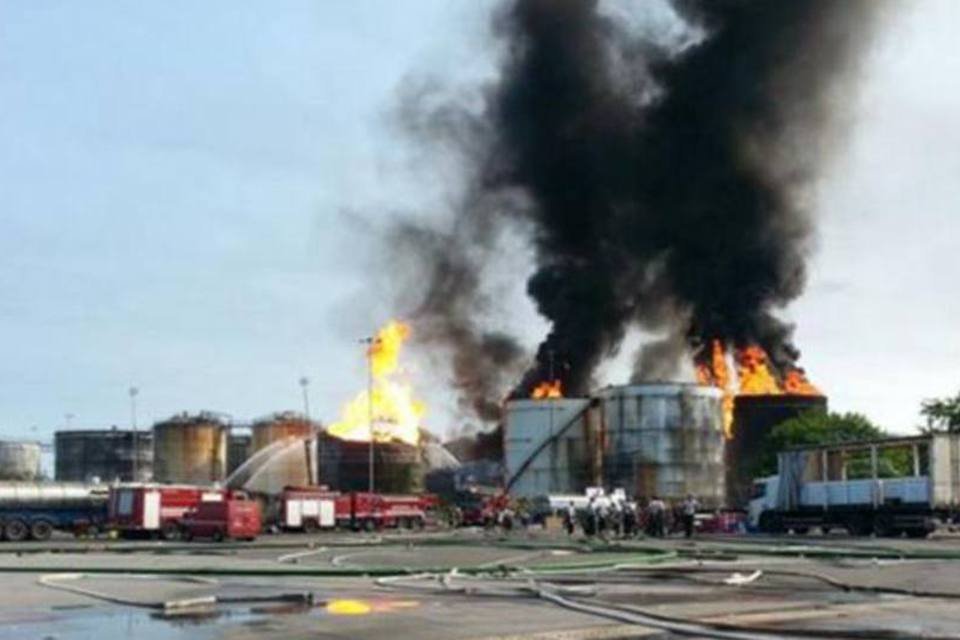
x=547, y=389
x=397, y=414
x=754, y=377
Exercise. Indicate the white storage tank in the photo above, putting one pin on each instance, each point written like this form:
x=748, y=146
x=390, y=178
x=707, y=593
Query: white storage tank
x=546, y=446
x=19, y=460
x=665, y=440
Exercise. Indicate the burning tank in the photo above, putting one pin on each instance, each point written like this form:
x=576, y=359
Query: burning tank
x=754, y=416
x=345, y=465
x=665, y=440
x=191, y=449
x=650, y=439
x=107, y=454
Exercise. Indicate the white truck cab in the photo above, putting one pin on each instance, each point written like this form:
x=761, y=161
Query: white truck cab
x=762, y=498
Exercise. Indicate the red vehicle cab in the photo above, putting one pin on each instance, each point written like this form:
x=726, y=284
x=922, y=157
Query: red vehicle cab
x=234, y=518
x=155, y=509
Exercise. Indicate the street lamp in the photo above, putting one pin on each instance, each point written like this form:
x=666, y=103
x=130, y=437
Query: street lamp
x=370, y=342
x=304, y=383
x=133, y=391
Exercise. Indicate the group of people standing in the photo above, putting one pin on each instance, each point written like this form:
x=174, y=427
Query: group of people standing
x=622, y=518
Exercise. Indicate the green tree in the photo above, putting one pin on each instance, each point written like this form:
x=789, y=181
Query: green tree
x=942, y=414
x=814, y=428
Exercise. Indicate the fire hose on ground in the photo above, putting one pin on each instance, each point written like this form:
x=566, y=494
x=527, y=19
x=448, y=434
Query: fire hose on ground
x=67, y=582
x=572, y=597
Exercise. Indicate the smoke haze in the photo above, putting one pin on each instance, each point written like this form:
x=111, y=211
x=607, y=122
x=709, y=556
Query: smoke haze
x=663, y=183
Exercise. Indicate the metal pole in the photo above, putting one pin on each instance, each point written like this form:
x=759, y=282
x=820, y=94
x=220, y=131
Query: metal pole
x=133, y=421
x=370, y=342
x=304, y=381
x=370, y=409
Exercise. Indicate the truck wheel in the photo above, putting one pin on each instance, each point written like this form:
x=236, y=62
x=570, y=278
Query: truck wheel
x=369, y=525
x=418, y=523
x=311, y=526
x=883, y=525
x=917, y=532
x=186, y=536
x=217, y=536
x=41, y=530
x=770, y=522
x=170, y=531
x=859, y=524
x=16, y=531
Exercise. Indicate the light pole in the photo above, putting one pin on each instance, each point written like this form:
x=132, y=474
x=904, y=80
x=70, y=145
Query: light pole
x=304, y=383
x=370, y=342
x=133, y=391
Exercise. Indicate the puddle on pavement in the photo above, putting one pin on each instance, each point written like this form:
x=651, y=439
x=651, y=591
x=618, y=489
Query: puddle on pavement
x=109, y=623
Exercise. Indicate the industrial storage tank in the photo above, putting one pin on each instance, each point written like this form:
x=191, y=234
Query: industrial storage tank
x=345, y=465
x=105, y=454
x=190, y=449
x=238, y=449
x=754, y=416
x=549, y=446
x=280, y=426
x=664, y=440
x=19, y=460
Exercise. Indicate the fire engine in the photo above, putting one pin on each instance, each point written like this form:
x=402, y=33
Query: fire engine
x=156, y=510
x=314, y=508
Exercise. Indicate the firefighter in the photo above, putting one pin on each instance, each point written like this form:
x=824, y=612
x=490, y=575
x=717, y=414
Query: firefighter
x=656, y=515
x=570, y=519
x=688, y=511
x=629, y=519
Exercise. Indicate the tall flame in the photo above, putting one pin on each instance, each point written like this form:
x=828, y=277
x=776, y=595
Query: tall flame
x=547, y=389
x=397, y=414
x=754, y=377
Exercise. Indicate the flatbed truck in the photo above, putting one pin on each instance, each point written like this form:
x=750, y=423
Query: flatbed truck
x=885, y=487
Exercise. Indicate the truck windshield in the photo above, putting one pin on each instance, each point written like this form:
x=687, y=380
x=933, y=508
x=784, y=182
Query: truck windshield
x=125, y=503
x=759, y=490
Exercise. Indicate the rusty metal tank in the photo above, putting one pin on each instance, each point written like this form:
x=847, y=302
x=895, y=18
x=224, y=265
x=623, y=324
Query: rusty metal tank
x=190, y=449
x=19, y=460
x=664, y=440
x=344, y=465
x=105, y=454
x=280, y=426
x=754, y=416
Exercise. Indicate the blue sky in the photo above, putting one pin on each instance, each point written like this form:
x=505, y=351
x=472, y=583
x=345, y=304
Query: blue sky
x=180, y=185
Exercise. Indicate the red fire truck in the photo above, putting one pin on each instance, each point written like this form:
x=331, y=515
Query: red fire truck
x=313, y=508
x=237, y=519
x=307, y=509
x=155, y=509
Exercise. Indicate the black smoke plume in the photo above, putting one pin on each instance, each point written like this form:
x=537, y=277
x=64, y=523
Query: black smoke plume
x=665, y=181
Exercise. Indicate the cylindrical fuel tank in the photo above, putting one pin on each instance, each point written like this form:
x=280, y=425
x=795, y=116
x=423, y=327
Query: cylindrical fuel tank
x=51, y=494
x=190, y=449
x=19, y=460
x=105, y=454
x=754, y=416
x=547, y=446
x=664, y=440
x=345, y=464
x=280, y=427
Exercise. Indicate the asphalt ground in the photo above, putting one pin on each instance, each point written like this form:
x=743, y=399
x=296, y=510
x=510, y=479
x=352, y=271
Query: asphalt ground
x=474, y=584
